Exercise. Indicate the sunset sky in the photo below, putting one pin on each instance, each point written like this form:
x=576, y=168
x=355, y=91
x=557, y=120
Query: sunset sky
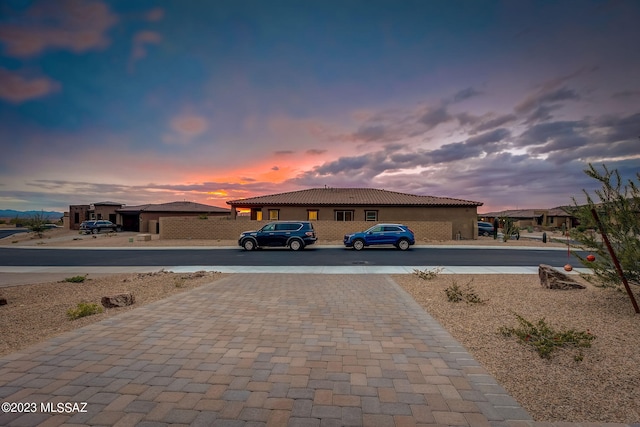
x=500, y=102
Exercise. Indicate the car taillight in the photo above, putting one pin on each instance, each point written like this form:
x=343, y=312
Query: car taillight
x=410, y=230
x=309, y=233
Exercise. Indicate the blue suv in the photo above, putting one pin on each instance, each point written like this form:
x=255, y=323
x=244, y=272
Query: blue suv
x=292, y=234
x=397, y=235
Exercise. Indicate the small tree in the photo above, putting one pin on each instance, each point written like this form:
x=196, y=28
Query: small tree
x=618, y=206
x=36, y=224
x=509, y=229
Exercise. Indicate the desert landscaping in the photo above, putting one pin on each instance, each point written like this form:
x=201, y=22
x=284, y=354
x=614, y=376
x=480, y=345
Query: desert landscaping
x=597, y=384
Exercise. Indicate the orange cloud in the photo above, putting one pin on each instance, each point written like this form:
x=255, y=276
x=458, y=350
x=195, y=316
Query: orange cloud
x=76, y=25
x=16, y=88
x=140, y=40
x=189, y=125
x=155, y=15
x=185, y=128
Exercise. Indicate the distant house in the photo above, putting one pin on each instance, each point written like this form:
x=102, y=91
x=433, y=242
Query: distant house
x=94, y=211
x=550, y=218
x=142, y=218
x=360, y=204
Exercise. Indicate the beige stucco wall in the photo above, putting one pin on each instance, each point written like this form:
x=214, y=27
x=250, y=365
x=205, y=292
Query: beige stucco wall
x=229, y=229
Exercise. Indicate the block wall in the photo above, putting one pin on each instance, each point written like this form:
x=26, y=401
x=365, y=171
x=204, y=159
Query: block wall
x=229, y=229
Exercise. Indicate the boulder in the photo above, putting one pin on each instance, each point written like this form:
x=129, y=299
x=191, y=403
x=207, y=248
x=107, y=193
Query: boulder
x=551, y=278
x=120, y=300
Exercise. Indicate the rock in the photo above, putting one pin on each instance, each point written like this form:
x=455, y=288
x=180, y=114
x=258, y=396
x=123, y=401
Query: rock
x=3, y=301
x=551, y=278
x=120, y=300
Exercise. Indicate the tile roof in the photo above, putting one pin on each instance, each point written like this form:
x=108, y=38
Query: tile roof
x=349, y=196
x=174, y=207
x=527, y=213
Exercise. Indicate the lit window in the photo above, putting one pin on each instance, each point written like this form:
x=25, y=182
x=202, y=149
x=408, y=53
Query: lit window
x=312, y=215
x=274, y=214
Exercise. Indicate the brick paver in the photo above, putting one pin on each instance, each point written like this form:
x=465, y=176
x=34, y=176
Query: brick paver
x=297, y=350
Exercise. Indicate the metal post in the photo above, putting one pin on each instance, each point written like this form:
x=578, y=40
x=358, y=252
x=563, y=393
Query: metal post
x=615, y=260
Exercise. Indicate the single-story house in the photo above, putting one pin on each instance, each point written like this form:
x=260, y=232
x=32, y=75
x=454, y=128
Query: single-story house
x=94, y=211
x=142, y=218
x=523, y=218
x=361, y=204
x=145, y=218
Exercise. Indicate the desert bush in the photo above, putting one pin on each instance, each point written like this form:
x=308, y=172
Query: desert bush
x=457, y=293
x=76, y=279
x=428, y=274
x=83, y=310
x=545, y=340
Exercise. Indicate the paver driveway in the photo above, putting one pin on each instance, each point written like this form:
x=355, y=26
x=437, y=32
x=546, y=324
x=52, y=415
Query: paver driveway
x=297, y=350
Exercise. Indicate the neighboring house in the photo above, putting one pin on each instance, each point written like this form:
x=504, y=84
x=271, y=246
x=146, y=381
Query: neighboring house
x=360, y=204
x=94, y=211
x=142, y=218
x=145, y=218
x=524, y=218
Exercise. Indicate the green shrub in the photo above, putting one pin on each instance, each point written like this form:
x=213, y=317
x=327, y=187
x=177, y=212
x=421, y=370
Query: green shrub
x=76, y=279
x=544, y=339
x=456, y=293
x=83, y=310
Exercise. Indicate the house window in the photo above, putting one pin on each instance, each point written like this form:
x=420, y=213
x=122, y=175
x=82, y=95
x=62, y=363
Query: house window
x=370, y=215
x=550, y=220
x=256, y=214
x=344, y=215
x=312, y=215
x=274, y=214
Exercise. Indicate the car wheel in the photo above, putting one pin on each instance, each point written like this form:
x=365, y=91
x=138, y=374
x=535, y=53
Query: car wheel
x=248, y=245
x=403, y=244
x=94, y=231
x=485, y=234
x=295, y=245
x=358, y=244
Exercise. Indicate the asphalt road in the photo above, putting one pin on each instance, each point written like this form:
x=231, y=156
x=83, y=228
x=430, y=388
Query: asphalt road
x=6, y=232
x=318, y=256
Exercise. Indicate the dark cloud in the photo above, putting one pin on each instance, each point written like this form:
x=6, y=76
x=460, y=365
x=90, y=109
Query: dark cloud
x=275, y=168
x=626, y=94
x=315, y=152
x=433, y=117
x=283, y=152
x=541, y=98
x=615, y=129
x=493, y=123
x=452, y=152
x=550, y=133
x=465, y=94
x=372, y=133
x=494, y=136
x=541, y=114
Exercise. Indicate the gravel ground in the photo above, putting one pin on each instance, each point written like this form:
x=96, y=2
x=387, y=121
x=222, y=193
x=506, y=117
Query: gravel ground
x=603, y=387
x=37, y=312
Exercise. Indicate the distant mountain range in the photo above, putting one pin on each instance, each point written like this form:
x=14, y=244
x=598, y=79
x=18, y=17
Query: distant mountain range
x=10, y=213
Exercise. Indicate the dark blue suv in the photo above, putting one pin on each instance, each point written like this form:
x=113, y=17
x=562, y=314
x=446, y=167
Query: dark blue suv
x=397, y=235
x=292, y=234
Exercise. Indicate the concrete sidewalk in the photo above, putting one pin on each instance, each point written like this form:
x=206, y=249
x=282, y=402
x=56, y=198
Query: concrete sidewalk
x=269, y=349
x=11, y=276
